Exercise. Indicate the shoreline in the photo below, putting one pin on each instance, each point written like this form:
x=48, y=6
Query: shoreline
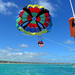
x=16, y=62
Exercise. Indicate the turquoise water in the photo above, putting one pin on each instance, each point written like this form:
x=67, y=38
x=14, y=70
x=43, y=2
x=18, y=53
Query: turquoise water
x=36, y=69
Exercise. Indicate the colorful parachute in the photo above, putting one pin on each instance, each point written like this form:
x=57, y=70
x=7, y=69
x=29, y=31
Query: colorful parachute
x=72, y=22
x=72, y=26
x=34, y=20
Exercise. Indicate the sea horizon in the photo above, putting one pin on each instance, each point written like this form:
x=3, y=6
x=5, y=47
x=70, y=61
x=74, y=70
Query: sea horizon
x=22, y=62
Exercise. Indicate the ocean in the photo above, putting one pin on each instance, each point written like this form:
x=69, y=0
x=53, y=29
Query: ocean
x=36, y=69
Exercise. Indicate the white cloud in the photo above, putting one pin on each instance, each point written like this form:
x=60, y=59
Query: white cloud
x=21, y=55
x=69, y=42
x=9, y=48
x=24, y=45
x=48, y=6
x=67, y=56
x=15, y=54
x=9, y=4
x=34, y=54
x=4, y=51
x=10, y=54
x=12, y=49
x=4, y=7
x=71, y=49
x=26, y=54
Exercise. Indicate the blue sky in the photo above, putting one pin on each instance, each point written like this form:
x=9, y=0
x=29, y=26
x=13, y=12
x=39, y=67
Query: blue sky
x=15, y=45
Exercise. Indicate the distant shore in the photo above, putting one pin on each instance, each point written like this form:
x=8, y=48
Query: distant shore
x=15, y=62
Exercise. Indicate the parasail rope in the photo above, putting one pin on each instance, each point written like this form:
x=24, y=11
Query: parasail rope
x=63, y=45
x=72, y=8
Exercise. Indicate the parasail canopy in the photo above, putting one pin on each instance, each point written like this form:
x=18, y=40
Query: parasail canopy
x=34, y=20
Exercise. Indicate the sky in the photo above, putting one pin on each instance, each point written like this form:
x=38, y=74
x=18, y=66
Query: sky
x=59, y=46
